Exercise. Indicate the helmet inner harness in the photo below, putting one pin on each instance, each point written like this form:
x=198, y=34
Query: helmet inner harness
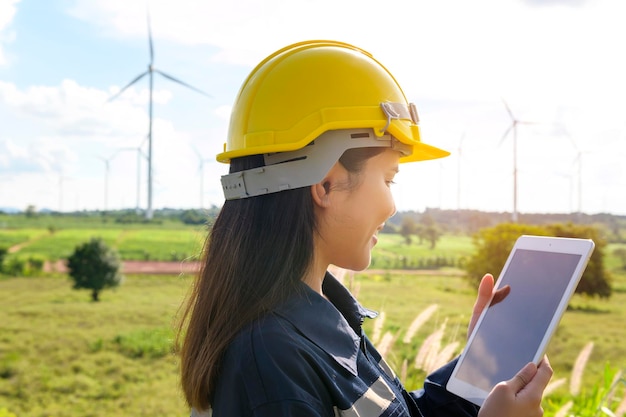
x=309, y=165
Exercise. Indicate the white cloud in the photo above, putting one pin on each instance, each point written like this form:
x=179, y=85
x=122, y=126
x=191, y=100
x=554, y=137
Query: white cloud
x=455, y=59
x=223, y=112
x=7, y=13
x=78, y=112
x=436, y=49
x=44, y=155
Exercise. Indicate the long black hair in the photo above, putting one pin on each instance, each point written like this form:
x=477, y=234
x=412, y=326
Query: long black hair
x=255, y=256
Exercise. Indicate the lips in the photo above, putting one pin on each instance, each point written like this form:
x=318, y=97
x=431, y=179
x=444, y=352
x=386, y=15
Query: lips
x=375, y=235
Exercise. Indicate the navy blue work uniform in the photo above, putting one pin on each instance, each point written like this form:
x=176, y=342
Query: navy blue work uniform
x=310, y=358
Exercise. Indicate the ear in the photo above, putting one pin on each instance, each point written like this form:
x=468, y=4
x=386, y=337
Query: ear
x=321, y=191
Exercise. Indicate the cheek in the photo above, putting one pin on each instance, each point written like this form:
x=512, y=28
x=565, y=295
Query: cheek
x=386, y=203
x=375, y=206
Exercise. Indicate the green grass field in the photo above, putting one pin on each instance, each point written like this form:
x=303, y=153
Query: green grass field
x=62, y=355
x=168, y=244
x=179, y=243
x=402, y=297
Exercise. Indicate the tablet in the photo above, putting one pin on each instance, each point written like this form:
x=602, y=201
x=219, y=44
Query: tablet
x=543, y=273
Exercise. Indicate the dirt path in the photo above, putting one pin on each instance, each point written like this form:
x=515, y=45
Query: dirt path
x=139, y=267
x=22, y=245
x=175, y=268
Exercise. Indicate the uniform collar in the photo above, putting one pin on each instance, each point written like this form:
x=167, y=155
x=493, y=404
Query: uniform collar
x=333, y=326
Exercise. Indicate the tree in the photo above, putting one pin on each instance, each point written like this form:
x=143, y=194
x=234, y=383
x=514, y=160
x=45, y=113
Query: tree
x=194, y=217
x=31, y=211
x=494, y=244
x=429, y=230
x=407, y=229
x=595, y=280
x=95, y=266
x=3, y=254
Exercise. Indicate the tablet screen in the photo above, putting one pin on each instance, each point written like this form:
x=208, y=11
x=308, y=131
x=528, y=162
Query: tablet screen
x=541, y=279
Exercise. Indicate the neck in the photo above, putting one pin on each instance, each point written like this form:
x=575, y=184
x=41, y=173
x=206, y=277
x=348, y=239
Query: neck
x=315, y=275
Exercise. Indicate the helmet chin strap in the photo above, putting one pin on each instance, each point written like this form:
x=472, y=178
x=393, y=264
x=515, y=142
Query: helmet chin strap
x=306, y=166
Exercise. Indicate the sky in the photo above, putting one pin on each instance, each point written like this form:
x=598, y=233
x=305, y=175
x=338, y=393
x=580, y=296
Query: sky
x=557, y=64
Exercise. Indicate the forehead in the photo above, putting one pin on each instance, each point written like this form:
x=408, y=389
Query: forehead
x=387, y=160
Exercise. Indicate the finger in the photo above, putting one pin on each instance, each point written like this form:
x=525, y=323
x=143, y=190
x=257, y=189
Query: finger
x=544, y=374
x=500, y=295
x=523, y=377
x=485, y=291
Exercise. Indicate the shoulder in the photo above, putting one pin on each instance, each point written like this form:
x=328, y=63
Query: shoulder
x=270, y=337
x=271, y=361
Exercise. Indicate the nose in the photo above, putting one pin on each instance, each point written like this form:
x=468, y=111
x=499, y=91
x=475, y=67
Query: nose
x=393, y=209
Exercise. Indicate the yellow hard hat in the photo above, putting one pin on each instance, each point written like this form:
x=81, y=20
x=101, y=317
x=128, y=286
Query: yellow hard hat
x=308, y=88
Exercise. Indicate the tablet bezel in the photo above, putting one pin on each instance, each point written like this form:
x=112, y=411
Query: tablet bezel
x=582, y=247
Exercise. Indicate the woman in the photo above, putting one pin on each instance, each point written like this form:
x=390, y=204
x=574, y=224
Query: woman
x=316, y=137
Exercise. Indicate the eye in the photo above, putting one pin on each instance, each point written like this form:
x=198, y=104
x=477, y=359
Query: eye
x=390, y=182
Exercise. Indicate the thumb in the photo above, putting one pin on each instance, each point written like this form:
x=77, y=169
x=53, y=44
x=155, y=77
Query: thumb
x=523, y=377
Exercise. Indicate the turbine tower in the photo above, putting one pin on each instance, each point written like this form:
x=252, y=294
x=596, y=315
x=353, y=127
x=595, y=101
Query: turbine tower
x=150, y=73
x=458, y=173
x=578, y=162
x=513, y=128
x=140, y=154
x=107, y=170
x=201, y=162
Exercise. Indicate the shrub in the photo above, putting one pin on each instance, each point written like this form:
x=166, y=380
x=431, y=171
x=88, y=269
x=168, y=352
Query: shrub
x=15, y=266
x=95, y=266
x=3, y=254
x=6, y=413
x=196, y=217
x=153, y=343
x=20, y=266
x=494, y=244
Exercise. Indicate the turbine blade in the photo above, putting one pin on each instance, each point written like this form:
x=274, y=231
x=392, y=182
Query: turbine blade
x=508, y=109
x=137, y=78
x=150, y=39
x=176, y=80
x=196, y=151
x=506, y=133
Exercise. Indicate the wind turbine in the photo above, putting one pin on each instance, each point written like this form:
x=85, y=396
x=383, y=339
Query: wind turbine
x=140, y=154
x=106, y=179
x=513, y=128
x=458, y=174
x=201, y=162
x=150, y=73
x=62, y=179
x=570, y=178
x=578, y=162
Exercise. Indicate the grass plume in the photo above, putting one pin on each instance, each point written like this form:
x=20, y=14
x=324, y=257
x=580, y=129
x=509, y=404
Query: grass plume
x=579, y=368
x=419, y=321
x=385, y=344
x=564, y=411
x=378, y=327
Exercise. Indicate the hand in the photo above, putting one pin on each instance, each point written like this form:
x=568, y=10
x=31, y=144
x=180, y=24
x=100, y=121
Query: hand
x=521, y=395
x=486, y=294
